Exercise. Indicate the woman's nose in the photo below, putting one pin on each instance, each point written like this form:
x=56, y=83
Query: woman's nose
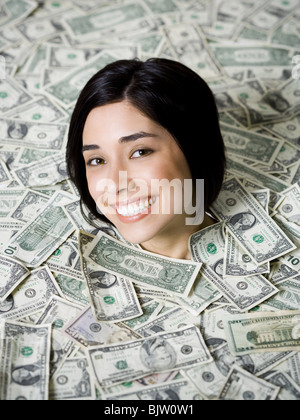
x=122, y=182
x=118, y=177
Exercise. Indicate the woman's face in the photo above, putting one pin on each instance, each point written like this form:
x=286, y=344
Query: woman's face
x=127, y=156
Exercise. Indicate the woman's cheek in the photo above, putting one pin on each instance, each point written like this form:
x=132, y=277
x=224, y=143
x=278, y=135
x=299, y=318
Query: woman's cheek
x=94, y=187
x=91, y=185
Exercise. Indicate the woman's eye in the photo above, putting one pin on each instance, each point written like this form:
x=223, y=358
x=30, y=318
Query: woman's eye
x=141, y=153
x=95, y=162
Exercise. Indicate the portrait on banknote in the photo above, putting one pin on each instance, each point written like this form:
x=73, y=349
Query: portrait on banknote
x=157, y=353
x=17, y=131
x=243, y=221
x=102, y=279
x=26, y=375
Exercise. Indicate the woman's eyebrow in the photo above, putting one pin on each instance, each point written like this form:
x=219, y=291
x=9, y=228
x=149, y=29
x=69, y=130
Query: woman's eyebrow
x=136, y=136
x=125, y=139
x=90, y=147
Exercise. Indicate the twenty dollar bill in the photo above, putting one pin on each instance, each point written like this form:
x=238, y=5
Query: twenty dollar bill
x=162, y=353
x=263, y=332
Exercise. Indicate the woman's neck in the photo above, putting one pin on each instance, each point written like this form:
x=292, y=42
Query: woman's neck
x=174, y=243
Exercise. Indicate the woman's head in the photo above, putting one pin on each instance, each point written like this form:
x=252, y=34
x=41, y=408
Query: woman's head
x=136, y=122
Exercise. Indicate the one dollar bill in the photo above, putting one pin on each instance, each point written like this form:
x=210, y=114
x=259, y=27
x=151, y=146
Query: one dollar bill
x=174, y=276
x=113, y=298
x=207, y=246
x=242, y=386
x=12, y=273
x=24, y=365
x=249, y=224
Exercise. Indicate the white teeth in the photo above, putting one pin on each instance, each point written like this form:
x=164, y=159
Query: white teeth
x=134, y=209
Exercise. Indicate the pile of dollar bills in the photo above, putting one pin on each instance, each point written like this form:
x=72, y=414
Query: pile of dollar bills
x=84, y=315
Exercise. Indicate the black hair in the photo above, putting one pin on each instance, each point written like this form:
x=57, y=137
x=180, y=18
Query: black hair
x=168, y=93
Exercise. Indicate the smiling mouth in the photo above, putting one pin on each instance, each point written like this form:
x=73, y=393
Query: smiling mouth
x=134, y=209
